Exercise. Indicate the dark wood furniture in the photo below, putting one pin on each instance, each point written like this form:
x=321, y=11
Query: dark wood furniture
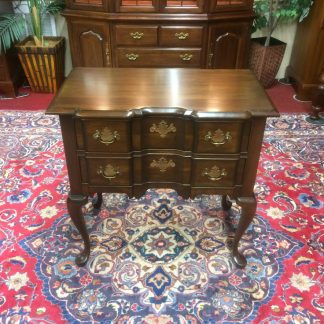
x=159, y=33
x=307, y=58
x=11, y=74
x=317, y=103
x=196, y=131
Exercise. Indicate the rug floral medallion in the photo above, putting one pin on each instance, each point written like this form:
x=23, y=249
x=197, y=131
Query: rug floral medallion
x=160, y=258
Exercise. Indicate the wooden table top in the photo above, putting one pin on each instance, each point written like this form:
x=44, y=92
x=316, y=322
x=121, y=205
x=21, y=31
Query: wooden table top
x=204, y=92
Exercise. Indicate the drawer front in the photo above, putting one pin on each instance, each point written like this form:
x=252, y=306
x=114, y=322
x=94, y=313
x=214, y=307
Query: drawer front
x=136, y=35
x=214, y=173
x=134, y=57
x=165, y=168
x=106, y=135
x=218, y=137
x=180, y=36
x=107, y=172
x=162, y=133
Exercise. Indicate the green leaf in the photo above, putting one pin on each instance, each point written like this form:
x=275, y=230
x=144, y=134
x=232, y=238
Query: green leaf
x=11, y=30
x=269, y=12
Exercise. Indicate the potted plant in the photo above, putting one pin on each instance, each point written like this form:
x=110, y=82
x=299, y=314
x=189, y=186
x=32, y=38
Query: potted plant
x=267, y=52
x=12, y=76
x=42, y=57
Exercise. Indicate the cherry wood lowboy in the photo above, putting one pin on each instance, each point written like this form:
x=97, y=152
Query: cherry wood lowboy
x=196, y=131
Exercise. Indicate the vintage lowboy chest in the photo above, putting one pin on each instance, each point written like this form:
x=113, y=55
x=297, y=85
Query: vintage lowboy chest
x=196, y=131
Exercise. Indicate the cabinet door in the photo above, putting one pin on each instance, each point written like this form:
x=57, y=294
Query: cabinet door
x=230, y=5
x=228, y=45
x=182, y=6
x=90, y=43
x=137, y=6
x=95, y=5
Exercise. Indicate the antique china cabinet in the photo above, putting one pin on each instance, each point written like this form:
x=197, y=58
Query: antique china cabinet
x=159, y=33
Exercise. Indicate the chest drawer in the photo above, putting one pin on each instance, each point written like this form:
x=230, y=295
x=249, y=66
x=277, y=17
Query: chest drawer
x=215, y=172
x=140, y=57
x=106, y=171
x=128, y=35
x=165, y=168
x=180, y=36
x=162, y=133
x=219, y=137
x=104, y=135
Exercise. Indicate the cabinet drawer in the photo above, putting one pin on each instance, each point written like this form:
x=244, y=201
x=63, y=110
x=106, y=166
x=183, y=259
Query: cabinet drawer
x=165, y=168
x=136, y=35
x=162, y=133
x=106, y=171
x=218, y=137
x=104, y=135
x=180, y=36
x=214, y=172
x=134, y=57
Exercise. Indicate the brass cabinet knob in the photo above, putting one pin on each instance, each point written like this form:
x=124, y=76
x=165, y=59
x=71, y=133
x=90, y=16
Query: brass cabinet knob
x=218, y=137
x=215, y=173
x=136, y=35
x=182, y=35
x=108, y=172
x=163, y=128
x=106, y=136
x=132, y=56
x=186, y=57
x=163, y=164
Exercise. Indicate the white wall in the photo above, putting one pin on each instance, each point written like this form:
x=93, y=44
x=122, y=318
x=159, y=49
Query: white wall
x=61, y=29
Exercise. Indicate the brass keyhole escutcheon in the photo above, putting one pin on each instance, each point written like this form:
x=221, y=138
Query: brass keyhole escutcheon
x=163, y=128
x=162, y=164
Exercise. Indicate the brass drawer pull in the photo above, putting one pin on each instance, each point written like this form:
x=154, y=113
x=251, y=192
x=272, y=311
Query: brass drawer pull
x=186, y=57
x=106, y=136
x=163, y=129
x=163, y=164
x=109, y=172
x=215, y=173
x=132, y=56
x=218, y=137
x=136, y=35
x=181, y=35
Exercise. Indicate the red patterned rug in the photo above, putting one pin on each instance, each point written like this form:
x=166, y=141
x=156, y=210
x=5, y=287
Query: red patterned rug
x=160, y=259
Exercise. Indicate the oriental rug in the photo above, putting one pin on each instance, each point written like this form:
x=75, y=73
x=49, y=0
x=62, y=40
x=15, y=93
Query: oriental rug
x=160, y=259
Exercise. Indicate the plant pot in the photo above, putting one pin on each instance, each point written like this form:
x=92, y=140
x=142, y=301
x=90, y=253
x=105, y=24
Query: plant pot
x=43, y=65
x=265, y=61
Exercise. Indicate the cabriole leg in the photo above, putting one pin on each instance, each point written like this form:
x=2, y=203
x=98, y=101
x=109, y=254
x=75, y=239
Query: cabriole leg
x=226, y=204
x=98, y=202
x=248, y=205
x=74, y=204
